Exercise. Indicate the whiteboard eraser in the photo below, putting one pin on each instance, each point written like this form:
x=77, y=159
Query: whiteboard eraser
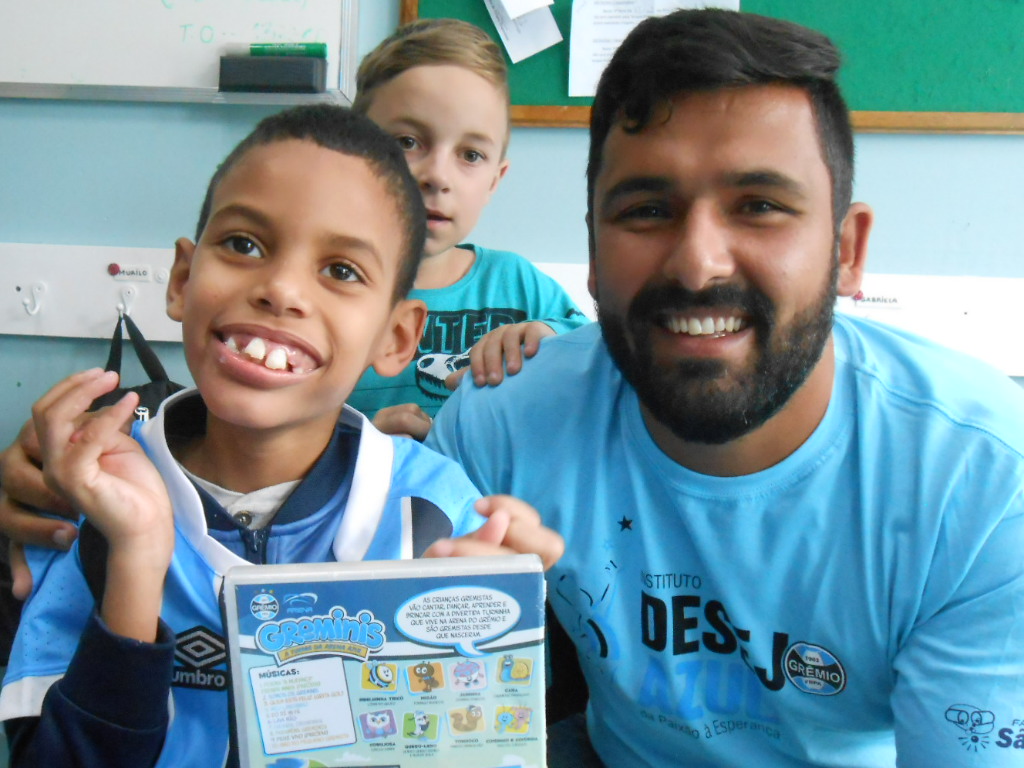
x=273, y=74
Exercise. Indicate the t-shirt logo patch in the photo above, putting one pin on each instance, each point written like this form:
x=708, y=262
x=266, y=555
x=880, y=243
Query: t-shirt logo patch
x=975, y=725
x=433, y=370
x=198, y=649
x=447, y=339
x=813, y=669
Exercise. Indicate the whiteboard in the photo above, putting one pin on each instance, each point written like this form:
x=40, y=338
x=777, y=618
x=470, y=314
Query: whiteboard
x=158, y=49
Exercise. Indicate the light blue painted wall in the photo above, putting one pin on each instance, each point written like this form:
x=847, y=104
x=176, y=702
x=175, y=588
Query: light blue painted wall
x=133, y=174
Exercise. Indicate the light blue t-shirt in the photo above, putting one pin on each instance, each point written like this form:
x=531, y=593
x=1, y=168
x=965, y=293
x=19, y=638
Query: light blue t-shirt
x=500, y=288
x=860, y=600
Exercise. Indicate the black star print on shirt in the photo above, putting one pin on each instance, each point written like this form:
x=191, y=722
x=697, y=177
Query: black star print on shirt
x=625, y=524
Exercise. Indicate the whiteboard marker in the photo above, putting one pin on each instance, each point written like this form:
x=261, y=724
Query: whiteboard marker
x=312, y=50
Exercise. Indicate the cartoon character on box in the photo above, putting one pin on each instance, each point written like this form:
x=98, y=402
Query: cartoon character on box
x=425, y=677
x=379, y=676
x=378, y=725
x=512, y=720
x=466, y=719
x=420, y=726
x=515, y=670
x=468, y=676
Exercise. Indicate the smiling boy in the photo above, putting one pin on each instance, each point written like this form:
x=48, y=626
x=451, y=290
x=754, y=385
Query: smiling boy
x=440, y=87
x=307, y=242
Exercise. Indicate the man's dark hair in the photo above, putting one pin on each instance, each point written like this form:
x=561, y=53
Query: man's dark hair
x=704, y=50
x=342, y=130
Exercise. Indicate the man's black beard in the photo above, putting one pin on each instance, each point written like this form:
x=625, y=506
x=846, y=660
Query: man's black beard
x=689, y=397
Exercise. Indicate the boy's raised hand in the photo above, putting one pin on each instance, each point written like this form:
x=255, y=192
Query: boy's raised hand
x=513, y=527
x=104, y=473
x=500, y=351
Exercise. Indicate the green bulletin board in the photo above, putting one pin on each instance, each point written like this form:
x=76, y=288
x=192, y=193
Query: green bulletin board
x=909, y=65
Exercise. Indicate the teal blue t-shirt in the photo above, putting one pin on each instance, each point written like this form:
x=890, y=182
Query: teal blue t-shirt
x=500, y=288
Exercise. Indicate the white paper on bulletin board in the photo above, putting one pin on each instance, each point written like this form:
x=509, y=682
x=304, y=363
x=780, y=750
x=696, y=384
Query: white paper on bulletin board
x=600, y=26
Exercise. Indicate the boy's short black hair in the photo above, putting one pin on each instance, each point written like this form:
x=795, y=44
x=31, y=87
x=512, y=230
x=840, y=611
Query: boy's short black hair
x=338, y=128
x=709, y=49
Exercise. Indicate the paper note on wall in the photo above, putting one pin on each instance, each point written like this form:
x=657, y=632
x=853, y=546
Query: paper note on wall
x=600, y=26
x=517, y=8
x=525, y=35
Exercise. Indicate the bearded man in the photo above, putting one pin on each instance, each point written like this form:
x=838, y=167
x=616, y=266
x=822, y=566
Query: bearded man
x=792, y=538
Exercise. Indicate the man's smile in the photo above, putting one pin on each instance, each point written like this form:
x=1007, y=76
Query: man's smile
x=707, y=325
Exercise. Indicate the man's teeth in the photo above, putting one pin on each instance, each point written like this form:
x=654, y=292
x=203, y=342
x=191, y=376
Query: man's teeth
x=707, y=326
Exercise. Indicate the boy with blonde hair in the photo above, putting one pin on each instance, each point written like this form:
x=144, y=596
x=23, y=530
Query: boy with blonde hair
x=440, y=87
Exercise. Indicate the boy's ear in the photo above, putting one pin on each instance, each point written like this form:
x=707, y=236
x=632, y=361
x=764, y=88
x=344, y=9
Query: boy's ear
x=502, y=170
x=184, y=250
x=407, y=321
x=853, y=248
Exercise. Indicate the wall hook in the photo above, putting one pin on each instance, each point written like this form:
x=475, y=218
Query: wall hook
x=34, y=302
x=128, y=295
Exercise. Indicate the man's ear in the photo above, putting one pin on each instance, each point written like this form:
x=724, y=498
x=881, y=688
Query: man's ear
x=853, y=248
x=592, y=274
x=399, y=347
x=184, y=250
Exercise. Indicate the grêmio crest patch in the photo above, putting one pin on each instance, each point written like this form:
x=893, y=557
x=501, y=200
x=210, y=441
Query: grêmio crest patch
x=814, y=669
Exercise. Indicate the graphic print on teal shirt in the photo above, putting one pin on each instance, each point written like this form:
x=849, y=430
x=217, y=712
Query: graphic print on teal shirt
x=500, y=288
